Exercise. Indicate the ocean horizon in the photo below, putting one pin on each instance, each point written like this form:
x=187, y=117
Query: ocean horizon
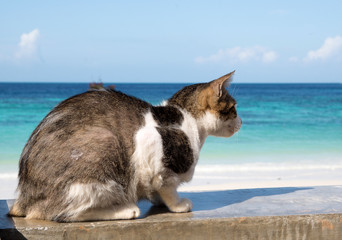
x=285, y=125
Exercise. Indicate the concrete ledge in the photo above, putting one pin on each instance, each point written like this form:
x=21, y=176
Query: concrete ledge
x=234, y=214
x=290, y=227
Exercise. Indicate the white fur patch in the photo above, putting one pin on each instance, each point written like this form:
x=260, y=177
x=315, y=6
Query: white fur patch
x=212, y=125
x=189, y=127
x=82, y=196
x=164, y=103
x=208, y=123
x=148, y=154
x=76, y=154
x=128, y=211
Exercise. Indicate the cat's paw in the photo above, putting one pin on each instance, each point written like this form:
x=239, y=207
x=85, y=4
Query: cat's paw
x=184, y=205
x=130, y=212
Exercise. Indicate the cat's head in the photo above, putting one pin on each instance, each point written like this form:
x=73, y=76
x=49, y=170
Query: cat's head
x=211, y=105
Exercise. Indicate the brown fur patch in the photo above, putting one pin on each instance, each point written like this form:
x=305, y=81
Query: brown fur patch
x=209, y=101
x=211, y=97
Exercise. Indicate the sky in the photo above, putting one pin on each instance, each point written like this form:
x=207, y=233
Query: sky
x=170, y=41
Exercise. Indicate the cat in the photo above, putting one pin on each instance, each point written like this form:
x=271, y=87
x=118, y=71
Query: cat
x=96, y=154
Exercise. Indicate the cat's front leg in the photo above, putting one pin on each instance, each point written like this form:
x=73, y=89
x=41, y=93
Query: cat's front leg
x=156, y=200
x=170, y=197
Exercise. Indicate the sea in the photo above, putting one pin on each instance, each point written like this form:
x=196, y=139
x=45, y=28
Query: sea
x=287, y=126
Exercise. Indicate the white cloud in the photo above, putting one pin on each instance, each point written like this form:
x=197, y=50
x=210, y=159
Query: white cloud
x=293, y=59
x=269, y=56
x=28, y=45
x=331, y=47
x=239, y=54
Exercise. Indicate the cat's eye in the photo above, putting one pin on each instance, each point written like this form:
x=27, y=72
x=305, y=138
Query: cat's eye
x=233, y=107
x=228, y=109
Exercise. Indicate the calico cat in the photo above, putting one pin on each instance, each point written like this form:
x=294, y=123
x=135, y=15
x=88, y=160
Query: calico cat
x=96, y=154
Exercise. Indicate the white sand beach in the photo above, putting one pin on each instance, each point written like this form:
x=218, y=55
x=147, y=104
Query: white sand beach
x=208, y=178
x=229, y=177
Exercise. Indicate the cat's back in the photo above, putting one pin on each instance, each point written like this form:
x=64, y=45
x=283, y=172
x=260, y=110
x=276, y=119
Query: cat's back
x=102, y=103
x=111, y=110
x=83, y=129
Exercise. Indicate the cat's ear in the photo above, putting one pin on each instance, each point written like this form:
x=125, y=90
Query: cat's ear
x=219, y=84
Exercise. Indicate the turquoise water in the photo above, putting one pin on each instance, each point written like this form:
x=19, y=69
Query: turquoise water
x=285, y=122
x=282, y=123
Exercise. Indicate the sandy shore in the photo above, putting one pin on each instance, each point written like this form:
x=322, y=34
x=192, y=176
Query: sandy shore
x=208, y=178
x=211, y=178
x=7, y=188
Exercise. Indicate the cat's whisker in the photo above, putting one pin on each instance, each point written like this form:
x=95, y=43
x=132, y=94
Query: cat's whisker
x=234, y=93
x=233, y=90
x=237, y=90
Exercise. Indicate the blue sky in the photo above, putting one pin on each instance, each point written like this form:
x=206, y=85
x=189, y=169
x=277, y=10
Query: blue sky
x=170, y=41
